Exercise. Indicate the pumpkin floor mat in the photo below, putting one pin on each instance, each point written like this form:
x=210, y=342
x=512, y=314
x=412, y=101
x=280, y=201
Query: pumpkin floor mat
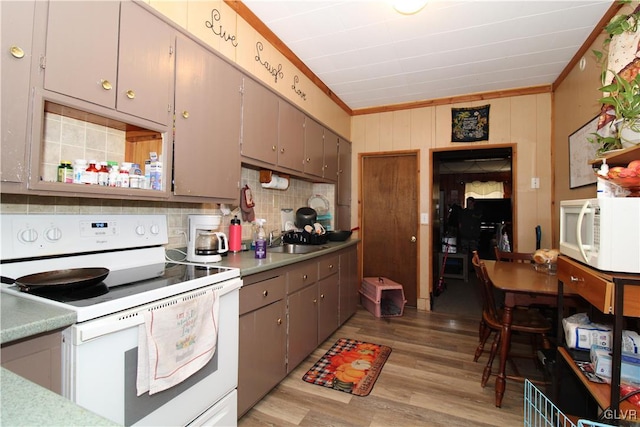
x=350, y=366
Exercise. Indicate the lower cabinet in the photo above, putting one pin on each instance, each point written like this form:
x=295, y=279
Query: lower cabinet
x=285, y=313
x=38, y=359
x=263, y=333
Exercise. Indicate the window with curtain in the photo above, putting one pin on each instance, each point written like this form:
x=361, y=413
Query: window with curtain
x=484, y=190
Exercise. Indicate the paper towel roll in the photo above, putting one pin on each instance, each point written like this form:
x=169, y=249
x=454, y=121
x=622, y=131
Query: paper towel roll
x=277, y=183
x=283, y=183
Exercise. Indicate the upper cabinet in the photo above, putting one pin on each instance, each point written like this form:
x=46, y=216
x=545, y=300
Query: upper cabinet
x=16, y=40
x=330, y=155
x=290, y=136
x=207, y=124
x=259, y=122
x=313, y=147
x=116, y=55
x=344, y=172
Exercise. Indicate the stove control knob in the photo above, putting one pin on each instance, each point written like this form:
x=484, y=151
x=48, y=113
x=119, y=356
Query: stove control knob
x=53, y=234
x=28, y=235
x=155, y=229
x=140, y=230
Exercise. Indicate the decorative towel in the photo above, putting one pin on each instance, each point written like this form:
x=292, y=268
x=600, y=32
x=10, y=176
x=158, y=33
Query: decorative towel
x=247, y=204
x=175, y=341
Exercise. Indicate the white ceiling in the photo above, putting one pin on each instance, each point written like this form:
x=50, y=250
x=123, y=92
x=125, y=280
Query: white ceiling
x=371, y=56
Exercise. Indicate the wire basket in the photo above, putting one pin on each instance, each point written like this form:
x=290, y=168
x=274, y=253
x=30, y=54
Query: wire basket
x=539, y=411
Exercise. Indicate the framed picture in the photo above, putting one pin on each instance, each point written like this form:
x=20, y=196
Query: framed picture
x=581, y=151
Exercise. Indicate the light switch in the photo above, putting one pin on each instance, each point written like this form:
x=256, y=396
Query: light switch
x=424, y=218
x=535, y=182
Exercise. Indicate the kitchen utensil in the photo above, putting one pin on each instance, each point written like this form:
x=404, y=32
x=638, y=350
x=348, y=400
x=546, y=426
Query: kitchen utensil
x=340, y=235
x=305, y=216
x=60, y=279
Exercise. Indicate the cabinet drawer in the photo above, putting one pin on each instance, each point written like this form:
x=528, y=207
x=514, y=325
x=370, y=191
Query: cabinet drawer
x=262, y=293
x=328, y=266
x=631, y=300
x=301, y=276
x=588, y=284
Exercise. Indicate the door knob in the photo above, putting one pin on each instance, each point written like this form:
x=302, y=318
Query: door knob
x=413, y=239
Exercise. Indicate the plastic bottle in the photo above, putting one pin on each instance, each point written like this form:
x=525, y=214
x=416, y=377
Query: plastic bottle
x=79, y=167
x=603, y=188
x=90, y=175
x=123, y=176
x=114, y=172
x=235, y=235
x=261, y=240
x=65, y=172
x=103, y=174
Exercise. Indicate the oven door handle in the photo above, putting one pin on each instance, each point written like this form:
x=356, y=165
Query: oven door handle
x=107, y=325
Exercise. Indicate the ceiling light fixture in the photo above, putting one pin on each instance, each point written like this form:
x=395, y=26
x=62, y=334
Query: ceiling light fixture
x=409, y=7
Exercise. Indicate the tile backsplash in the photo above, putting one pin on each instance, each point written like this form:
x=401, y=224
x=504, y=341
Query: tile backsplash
x=268, y=203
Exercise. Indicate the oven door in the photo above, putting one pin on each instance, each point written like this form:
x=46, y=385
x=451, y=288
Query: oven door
x=100, y=370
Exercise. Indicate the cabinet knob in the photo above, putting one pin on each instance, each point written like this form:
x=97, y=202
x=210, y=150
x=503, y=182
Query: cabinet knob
x=576, y=279
x=315, y=300
x=106, y=84
x=282, y=150
x=308, y=160
x=130, y=94
x=185, y=114
x=273, y=148
x=265, y=293
x=304, y=277
x=279, y=321
x=321, y=296
x=413, y=239
x=16, y=52
x=330, y=266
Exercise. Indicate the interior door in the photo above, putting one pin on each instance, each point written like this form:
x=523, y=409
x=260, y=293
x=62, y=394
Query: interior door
x=390, y=219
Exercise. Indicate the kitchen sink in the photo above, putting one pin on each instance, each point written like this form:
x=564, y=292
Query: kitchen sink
x=289, y=248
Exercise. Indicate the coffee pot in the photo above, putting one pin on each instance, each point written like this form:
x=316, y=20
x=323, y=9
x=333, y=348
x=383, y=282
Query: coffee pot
x=204, y=243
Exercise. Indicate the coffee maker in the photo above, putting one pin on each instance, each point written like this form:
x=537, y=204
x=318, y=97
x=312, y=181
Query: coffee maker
x=206, y=244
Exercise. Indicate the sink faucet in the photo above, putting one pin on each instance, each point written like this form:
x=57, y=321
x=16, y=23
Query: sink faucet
x=273, y=238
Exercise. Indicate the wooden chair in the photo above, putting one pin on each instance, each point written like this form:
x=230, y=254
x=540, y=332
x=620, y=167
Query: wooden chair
x=512, y=256
x=526, y=321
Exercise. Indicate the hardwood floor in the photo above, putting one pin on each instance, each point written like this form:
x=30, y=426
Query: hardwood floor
x=430, y=379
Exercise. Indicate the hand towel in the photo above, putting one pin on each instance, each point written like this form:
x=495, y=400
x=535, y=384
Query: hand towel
x=176, y=341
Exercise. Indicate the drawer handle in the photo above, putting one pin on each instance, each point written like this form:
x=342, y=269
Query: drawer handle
x=130, y=94
x=279, y=321
x=577, y=279
x=185, y=114
x=265, y=293
x=106, y=84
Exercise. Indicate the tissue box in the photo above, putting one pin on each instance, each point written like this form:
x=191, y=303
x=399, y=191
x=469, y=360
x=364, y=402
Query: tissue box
x=629, y=369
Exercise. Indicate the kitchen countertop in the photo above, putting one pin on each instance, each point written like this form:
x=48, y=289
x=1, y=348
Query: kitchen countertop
x=26, y=403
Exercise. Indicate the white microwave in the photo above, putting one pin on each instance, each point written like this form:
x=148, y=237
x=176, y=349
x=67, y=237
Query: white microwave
x=603, y=233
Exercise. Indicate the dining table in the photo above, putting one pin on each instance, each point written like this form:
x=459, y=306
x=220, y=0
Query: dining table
x=522, y=285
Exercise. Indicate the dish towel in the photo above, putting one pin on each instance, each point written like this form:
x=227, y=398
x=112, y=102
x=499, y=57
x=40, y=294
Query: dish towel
x=175, y=341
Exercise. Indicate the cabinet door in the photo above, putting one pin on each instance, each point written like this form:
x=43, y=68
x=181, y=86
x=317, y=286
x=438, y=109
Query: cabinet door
x=145, y=65
x=344, y=172
x=207, y=127
x=290, y=136
x=313, y=147
x=262, y=352
x=328, y=306
x=330, y=155
x=259, y=122
x=82, y=50
x=303, y=325
x=17, y=26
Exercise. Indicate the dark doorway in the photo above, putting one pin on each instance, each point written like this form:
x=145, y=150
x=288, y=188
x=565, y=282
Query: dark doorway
x=452, y=169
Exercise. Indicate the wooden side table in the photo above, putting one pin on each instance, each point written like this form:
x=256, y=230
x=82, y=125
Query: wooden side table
x=465, y=266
